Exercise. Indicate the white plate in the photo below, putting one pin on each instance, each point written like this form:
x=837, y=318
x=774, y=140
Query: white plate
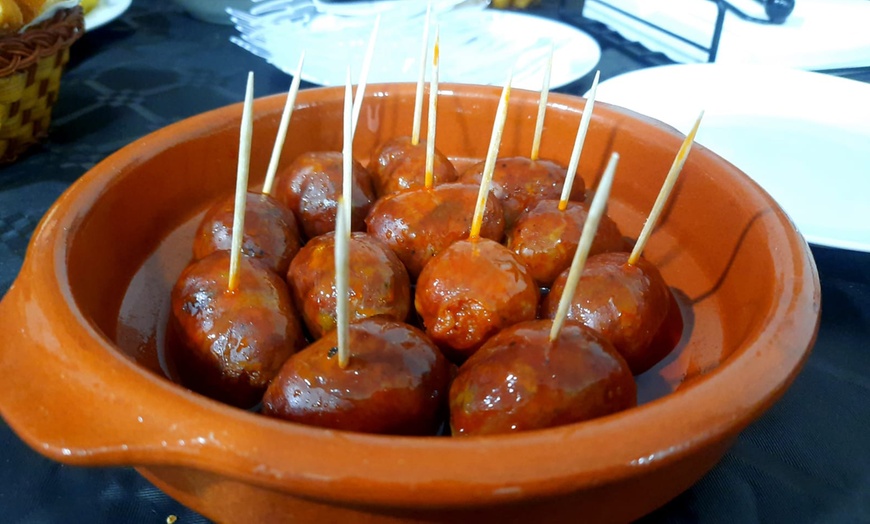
x=361, y=8
x=819, y=34
x=105, y=12
x=804, y=137
x=477, y=47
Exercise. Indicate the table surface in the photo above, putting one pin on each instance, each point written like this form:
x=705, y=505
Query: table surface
x=807, y=460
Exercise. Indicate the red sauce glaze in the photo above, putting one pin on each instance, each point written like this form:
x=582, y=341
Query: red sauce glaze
x=628, y=304
x=398, y=165
x=229, y=345
x=472, y=290
x=519, y=182
x=419, y=224
x=271, y=234
x=311, y=185
x=395, y=382
x=545, y=238
x=519, y=381
x=378, y=284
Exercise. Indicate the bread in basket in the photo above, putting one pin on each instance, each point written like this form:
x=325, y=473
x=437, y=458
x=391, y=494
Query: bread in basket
x=32, y=59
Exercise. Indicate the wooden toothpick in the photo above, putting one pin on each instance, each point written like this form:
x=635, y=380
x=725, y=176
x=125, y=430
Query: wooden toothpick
x=665, y=191
x=347, y=153
x=241, y=184
x=269, y=184
x=421, y=78
x=342, y=232
x=542, y=106
x=342, y=276
x=429, y=180
x=578, y=144
x=596, y=211
x=491, y=157
x=364, y=73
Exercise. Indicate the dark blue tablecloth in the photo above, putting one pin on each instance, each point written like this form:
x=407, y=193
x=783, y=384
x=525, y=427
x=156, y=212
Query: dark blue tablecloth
x=805, y=461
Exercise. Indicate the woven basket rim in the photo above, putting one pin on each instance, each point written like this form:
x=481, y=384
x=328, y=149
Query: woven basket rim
x=19, y=51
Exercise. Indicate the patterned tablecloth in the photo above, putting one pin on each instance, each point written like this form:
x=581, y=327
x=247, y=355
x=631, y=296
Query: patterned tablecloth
x=805, y=461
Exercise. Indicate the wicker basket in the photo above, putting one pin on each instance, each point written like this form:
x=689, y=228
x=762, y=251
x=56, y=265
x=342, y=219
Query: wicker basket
x=31, y=64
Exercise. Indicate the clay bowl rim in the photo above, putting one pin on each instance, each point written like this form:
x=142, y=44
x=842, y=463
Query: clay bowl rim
x=354, y=468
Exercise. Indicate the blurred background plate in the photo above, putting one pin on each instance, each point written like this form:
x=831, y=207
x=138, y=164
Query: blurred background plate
x=478, y=46
x=105, y=12
x=818, y=34
x=802, y=136
x=363, y=8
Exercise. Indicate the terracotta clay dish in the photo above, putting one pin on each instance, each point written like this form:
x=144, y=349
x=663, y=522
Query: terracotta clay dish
x=83, y=378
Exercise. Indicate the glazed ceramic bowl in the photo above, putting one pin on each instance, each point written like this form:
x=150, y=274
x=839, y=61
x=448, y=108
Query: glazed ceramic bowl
x=83, y=379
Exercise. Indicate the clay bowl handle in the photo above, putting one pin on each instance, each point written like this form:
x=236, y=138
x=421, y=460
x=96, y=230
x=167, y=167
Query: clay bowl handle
x=72, y=397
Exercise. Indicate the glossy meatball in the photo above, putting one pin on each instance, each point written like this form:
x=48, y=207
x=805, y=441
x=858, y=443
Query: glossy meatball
x=520, y=381
x=545, y=238
x=271, y=234
x=228, y=345
x=398, y=165
x=311, y=185
x=628, y=304
x=519, y=182
x=395, y=382
x=472, y=290
x=419, y=224
x=378, y=284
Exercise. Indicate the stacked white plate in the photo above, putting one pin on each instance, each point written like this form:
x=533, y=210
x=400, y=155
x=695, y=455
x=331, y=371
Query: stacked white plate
x=478, y=45
x=819, y=34
x=804, y=137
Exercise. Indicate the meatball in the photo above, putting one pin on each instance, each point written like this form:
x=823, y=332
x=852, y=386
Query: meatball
x=378, y=285
x=545, y=238
x=472, y=290
x=271, y=234
x=520, y=380
x=311, y=185
x=398, y=165
x=519, y=182
x=226, y=344
x=419, y=224
x=395, y=382
x=628, y=304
